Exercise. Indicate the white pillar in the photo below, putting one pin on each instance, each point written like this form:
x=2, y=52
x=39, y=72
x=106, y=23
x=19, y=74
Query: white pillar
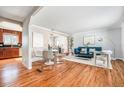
x=26, y=45
x=26, y=40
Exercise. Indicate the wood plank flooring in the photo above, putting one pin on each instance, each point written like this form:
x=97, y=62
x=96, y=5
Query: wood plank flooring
x=68, y=74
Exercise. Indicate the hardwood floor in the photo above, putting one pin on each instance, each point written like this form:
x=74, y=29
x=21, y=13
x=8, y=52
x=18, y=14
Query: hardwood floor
x=13, y=73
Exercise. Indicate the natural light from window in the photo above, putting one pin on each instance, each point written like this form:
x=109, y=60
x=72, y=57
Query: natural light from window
x=37, y=40
x=10, y=39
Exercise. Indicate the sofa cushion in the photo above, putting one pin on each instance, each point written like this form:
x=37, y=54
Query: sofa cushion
x=98, y=52
x=83, y=51
x=91, y=49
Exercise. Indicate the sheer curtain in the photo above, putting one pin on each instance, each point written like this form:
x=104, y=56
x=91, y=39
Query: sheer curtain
x=37, y=44
x=37, y=40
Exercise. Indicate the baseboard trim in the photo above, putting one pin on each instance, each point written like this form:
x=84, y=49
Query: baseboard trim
x=29, y=67
x=118, y=59
x=26, y=66
x=36, y=59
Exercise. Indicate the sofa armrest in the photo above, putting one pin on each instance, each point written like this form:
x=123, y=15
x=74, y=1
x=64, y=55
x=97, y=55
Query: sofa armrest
x=76, y=51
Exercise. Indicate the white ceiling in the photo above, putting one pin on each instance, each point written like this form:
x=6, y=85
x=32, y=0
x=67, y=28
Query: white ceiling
x=18, y=13
x=71, y=19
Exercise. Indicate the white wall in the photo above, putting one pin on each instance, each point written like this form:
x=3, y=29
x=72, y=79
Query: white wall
x=122, y=38
x=111, y=39
x=115, y=36
x=10, y=24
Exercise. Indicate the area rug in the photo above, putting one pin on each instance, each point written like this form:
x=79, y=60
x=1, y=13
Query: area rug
x=87, y=61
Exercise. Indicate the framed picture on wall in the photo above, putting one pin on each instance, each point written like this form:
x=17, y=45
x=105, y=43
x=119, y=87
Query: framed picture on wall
x=89, y=40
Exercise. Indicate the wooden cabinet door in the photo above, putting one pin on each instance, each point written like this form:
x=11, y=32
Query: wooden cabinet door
x=9, y=53
x=15, y=52
x=1, y=35
x=1, y=53
x=6, y=53
x=20, y=37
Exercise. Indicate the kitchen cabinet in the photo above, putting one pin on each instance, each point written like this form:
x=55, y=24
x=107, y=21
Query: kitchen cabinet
x=20, y=37
x=1, y=53
x=1, y=35
x=9, y=53
x=13, y=32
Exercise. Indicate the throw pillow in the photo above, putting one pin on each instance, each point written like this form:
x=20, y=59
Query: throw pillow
x=83, y=50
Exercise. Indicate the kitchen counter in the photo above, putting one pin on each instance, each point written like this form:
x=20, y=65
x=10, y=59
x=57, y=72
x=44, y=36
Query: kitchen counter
x=10, y=47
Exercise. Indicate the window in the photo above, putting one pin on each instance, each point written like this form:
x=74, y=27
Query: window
x=14, y=39
x=62, y=42
x=10, y=39
x=37, y=40
x=7, y=39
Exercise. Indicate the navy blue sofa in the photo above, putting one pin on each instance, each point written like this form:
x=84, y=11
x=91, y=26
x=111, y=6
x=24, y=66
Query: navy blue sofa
x=88, y=51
